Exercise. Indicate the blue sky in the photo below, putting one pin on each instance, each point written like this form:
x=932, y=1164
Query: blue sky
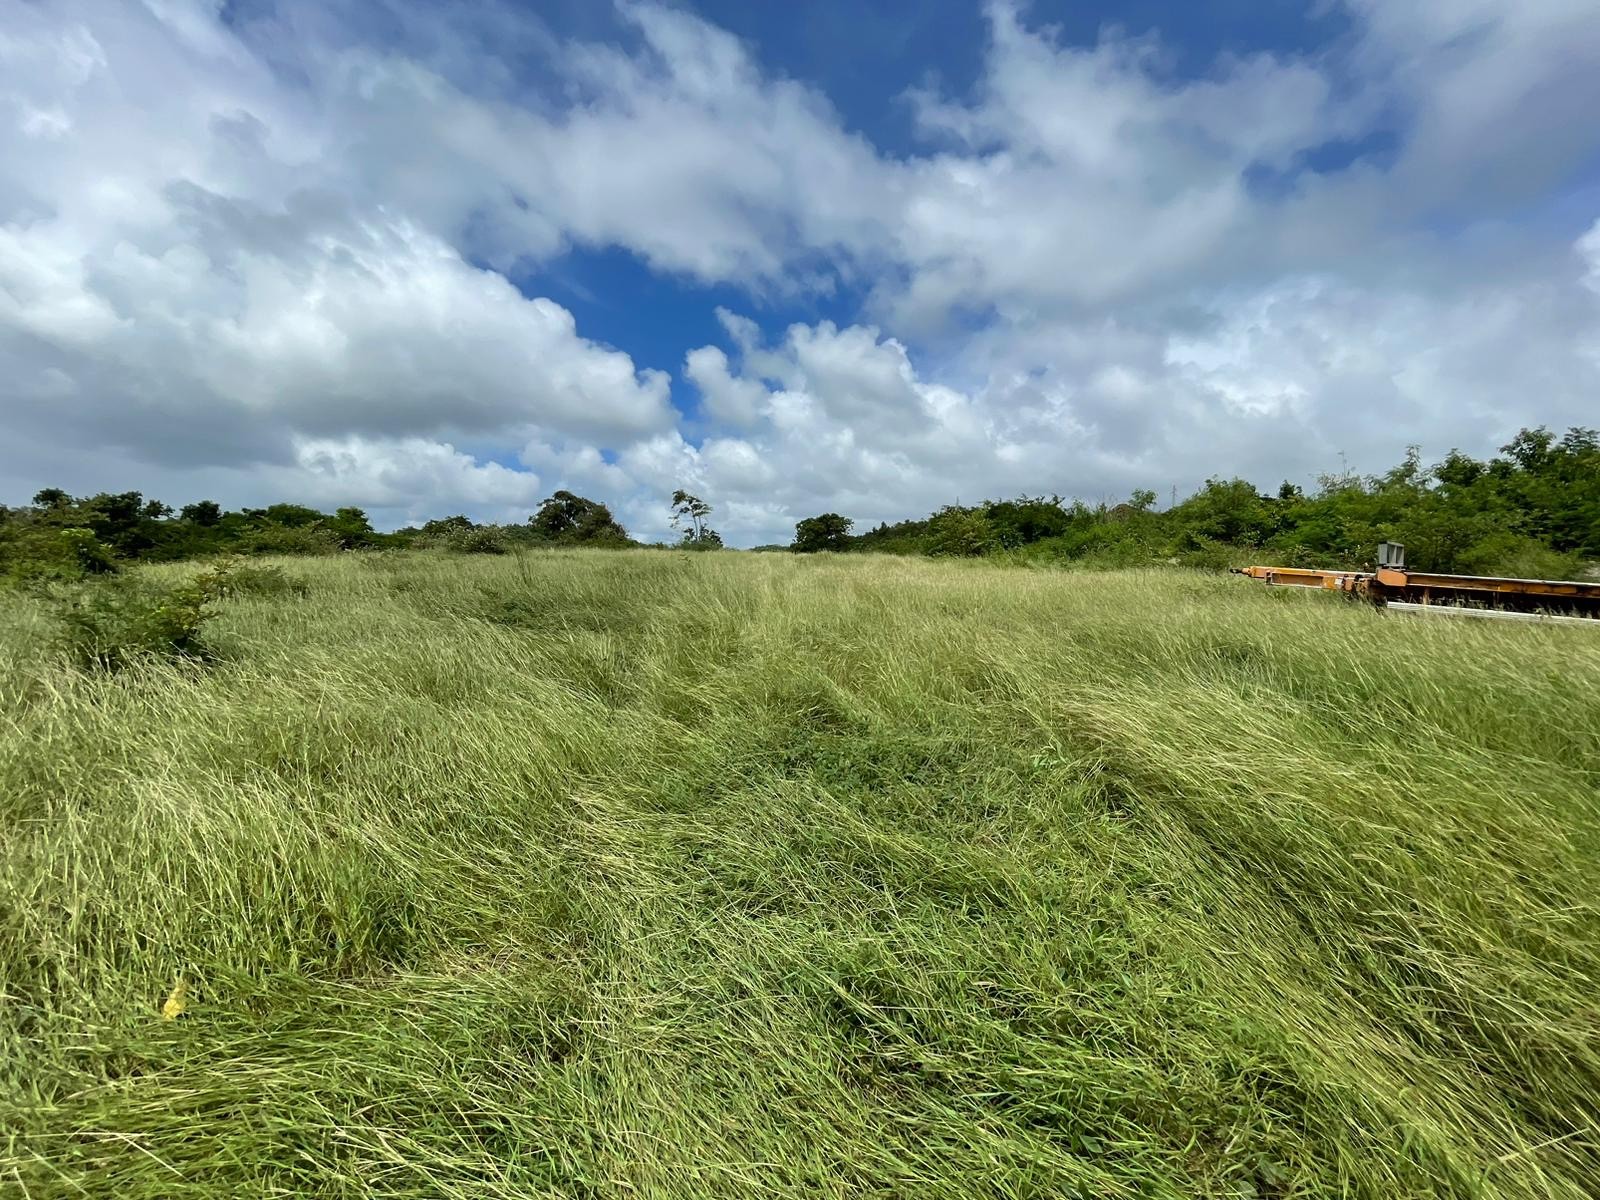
x=867, y=257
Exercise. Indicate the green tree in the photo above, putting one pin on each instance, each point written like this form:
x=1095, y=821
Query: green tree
x=569, y=519
x=119, y=520
x=87, y=555
x=1225, y=511
x=689, y=515
x=956, y=532
x=51, y=498
x=291, y=516
x=1025, y=520
x=829, y=531
x=351, y=527
x=443, y=526
x=202, y=512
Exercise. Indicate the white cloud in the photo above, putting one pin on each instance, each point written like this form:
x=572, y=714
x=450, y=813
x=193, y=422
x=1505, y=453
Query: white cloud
x=271, y=260
x=1287, y=381
x=409, y=475
x=731, y=401
x=179, y=289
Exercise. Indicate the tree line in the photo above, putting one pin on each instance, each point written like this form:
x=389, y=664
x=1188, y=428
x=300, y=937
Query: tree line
x=1532, y=509
x=61, y=536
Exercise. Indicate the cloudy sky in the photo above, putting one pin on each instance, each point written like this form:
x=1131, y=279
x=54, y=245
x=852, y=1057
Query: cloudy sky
x=859, y=255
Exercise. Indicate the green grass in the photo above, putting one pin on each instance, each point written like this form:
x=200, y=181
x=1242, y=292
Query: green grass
x=658, y=875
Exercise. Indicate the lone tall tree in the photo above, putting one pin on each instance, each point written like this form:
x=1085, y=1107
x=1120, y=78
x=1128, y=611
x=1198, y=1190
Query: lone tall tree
x=689, y=514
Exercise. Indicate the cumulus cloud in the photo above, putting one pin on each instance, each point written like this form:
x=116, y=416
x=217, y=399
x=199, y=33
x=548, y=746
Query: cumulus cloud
x=185, y=294
x=1297, y=379
x=257, y=249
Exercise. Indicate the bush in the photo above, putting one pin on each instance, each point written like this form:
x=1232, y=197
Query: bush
x=289, y=539
x=89, y=555
x=478, y=541
x=39, y=554
x=706, y=539
x=1519, y=557
x=107, y=624
x=959, y=533
x=236, y=578
x=469, y=538
x=1208, y=555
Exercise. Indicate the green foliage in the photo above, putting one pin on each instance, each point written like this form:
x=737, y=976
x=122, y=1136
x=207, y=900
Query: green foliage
x=292, y=516
x=482, y=540
x=351, y=527
x=445, y=526
x=237, y=577
x=1021, y=522
x=1519, y=556
x=1534, y=508
x=1102, y=544
x=829, y=531
x=704, y=538
x=1210, y=555
x=39, y=552
x=959, y=533
x=202, y=512
x=566, y=519
x=1227, y=511
x=689, y=514
x=88, y=555
x=117, y=620
x=271, y=538
x=903, y=537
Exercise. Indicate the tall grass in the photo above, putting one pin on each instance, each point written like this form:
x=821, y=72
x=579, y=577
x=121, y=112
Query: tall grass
x=649, y=875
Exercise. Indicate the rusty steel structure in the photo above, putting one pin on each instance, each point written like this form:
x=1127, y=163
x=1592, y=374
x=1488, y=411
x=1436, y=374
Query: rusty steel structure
x=1390, y=582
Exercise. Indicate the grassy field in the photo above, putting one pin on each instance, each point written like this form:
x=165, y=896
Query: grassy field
x=660, y=875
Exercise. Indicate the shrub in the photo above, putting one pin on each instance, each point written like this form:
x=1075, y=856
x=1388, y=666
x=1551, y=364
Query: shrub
x=289, y=539
x=37, y=554
x=705, y=539
x=477, y=541
x=114, y=621
x=237, y=578
x=88, y=554
x=1118, y=554
x=468, y=539
x=1520, y=557
x=1209, y=555
x=959, y=533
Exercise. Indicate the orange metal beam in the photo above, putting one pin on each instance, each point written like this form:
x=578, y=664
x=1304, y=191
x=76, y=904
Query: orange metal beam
x=1399, y=578
x=1300, y=577
x=1398, y=584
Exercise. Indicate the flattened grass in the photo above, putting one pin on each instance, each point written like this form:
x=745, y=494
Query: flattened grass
x=641, y=874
